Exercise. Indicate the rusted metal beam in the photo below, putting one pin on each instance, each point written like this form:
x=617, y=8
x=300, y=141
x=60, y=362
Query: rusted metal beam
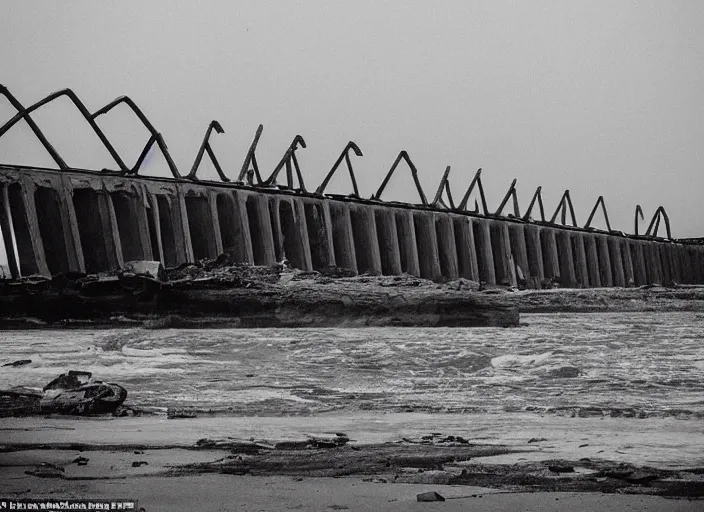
x=289, y=158
x=444, y=187
x=639, y=212
x=606, y=215
x=345, y=155
x=60, y=162
x=655, y=223
x=476, y=181
x=565, y=202
x=403, y=155
x=155, y=138
x=251, y=159
x=81, y=108
x=511, y=193
x=205, y=147
x=536, y=197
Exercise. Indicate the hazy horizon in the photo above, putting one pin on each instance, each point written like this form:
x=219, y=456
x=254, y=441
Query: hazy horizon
x=602, y=98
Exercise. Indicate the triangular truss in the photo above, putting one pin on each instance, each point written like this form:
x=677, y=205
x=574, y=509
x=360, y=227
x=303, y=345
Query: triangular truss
x=24, y=114
x=562, y=206
x=155, y=136
x=351, y=146
x=538, y=196
x=289, y=161
x=403, y=155
x=250, y=168
x=205, y=148
x=35, y=129
x=444, y=186
x=476, y=182
x=660, y=213
x=510, y=194
x=599, y=201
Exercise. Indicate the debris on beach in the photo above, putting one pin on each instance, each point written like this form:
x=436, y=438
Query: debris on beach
x=75, y=392
x=429, y=496
x=20, y=362
x=46, y=470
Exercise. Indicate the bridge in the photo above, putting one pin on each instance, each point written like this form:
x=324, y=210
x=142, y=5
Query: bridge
x=89, y=221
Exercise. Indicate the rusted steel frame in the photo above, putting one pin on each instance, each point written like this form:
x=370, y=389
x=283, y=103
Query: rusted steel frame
x=351, y=146
x=205, y=147
x=653, y=227
x=251, y=158
x=81, y=108
x=476, y=181
x=444, y=186
x=606, y=215
x=155, y=135
x=33, y=126
x=414, y=172
x=639, y=211
x=511, y=193
x=561, y=207
x=539, y=197
x=286, y=160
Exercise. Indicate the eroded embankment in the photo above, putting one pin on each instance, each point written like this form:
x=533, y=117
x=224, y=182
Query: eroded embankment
x=247, y=296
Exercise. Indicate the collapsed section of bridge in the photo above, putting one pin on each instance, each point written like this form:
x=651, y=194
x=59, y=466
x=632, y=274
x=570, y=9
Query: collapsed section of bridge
x=76, y=220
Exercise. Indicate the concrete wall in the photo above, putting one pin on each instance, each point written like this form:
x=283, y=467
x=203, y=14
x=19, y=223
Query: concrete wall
x=54, y=222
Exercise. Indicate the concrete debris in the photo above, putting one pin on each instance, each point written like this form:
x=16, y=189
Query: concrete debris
x=174, y=413
x=47, y=470
x=429, y=496
x=75, y=392
x=80, y=461
x=139, y=463
x=153, y=269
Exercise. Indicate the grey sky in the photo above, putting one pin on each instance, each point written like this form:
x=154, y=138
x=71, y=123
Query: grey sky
x=601, y=97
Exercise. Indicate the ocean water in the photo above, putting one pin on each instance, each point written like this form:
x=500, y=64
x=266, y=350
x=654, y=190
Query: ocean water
x=617, y=365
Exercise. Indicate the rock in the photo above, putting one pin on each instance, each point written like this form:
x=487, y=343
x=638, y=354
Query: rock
x=153, y=269
x=641, y=478
x=563, y=372
x=536, y=440
x=462, y=284
x=561, y=469
x=139, y=463
x=20, y=362
x=172, y=413
x=47, y=470
x=81, y=461
x=429, y=496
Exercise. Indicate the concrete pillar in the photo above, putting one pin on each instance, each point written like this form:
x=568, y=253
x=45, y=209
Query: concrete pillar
x=303, y=232
x=568, y=279
x=551, y=261
x=580, y=259
x=652, y=261
x=466, y=253
x=185, y=232
x=68, y=219
x=406, y=232
x=387, y=238
x=327, y=218
x=343, y=240
x=501, y=247
x=627, y=258
x=28, y=189
x=683, y=264
x=592, y=256
x=427, y=245
x=365, y=239
x=616, y=262
x=447, y=248
x=179, y=223
x=213, y=203
x=519, y=250
x=244, y=251
x=319, y=237
x=485, y=253
x=664, y=264
x=638, y=262
x=699, y=264
x=674, y=263
x=534, y=254
x=264, y=227
x=602, y=244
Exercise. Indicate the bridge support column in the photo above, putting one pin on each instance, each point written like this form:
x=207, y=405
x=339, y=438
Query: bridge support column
x=317, y=221
x=263, y=228
x=566, y=260
x=501, y=247
x=342, y=238
x=551, y=261
x=638, y=264
x=535, y=255
x=427, y=245
x=387, y=237
x=685, y=264
x=602, y=243
x=485, y=253
x=592, y=256
x=616, y=262
x=365, y=240
x=447, y=248
x=466, y=253
x=580, y=259
x=406, y=232
x=519, y=251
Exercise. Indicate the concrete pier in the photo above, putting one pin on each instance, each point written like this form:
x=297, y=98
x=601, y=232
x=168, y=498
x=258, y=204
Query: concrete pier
x=80, y=221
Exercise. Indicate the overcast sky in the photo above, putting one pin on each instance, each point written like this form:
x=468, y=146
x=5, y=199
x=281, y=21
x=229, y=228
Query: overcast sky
x=600, y=97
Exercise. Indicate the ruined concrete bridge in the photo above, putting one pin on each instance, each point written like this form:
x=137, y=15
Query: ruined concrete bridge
x=59, y=221
x=67, y=219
